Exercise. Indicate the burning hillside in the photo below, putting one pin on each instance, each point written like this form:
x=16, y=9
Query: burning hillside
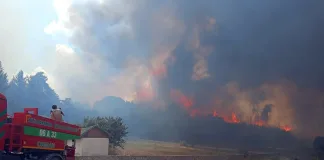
x=228, y=114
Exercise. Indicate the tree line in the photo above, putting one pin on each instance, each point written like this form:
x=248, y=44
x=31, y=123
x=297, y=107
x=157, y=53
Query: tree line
x=123, y=119
x=33, y=91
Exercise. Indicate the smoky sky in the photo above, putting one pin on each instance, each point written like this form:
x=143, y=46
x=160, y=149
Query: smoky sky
x=201, y=46
x=264, y=41
x=255, y=41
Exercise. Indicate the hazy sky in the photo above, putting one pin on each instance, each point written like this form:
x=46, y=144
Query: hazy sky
x=36, y=36
x=33, y=40
x=24, y=44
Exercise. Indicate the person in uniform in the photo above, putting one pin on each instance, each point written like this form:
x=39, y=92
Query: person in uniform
x=56, y=113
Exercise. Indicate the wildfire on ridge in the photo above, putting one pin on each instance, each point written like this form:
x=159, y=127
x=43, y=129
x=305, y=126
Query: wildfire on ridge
x=187, y=103
x=233, y=118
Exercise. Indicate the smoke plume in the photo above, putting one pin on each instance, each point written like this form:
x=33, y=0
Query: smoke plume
x=254, y=61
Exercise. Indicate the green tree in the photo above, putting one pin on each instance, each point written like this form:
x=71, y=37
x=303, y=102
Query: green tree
x=41, y=95
x=16, y=92
x=113, y=125
x=3, y=79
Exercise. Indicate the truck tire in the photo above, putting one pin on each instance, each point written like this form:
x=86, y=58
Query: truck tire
x=53, y=156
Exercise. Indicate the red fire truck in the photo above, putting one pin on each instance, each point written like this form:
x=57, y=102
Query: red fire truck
x=26, y=135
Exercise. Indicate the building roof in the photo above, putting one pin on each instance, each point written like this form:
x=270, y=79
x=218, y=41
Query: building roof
x=84, y=131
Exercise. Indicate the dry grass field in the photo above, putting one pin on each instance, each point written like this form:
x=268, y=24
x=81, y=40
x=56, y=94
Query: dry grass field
x=157, y=148
x=147, y=147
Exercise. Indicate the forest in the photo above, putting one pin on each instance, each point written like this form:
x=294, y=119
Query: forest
x=170, y=124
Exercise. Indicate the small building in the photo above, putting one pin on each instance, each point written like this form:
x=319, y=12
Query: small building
x=93, y=142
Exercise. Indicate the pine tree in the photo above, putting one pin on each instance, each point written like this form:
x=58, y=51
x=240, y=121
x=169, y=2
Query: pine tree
x=40, y=94
x=3, y=79
x=16, y=93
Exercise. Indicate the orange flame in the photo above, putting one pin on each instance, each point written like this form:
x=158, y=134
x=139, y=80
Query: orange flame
x=286, y=128
x=180, y=98
x=214, y=113
x=259, y=123
x=230, y=119
x=187, y=103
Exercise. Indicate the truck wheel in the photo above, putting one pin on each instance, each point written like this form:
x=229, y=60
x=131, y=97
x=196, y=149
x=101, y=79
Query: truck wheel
x=53, y=156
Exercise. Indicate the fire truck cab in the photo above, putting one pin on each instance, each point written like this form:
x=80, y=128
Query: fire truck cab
x=26, y=135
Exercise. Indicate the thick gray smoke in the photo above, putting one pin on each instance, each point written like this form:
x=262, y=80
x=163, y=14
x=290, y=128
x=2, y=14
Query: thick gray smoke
x=228, y=56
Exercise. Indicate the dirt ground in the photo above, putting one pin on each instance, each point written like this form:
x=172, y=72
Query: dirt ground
x=157, y=148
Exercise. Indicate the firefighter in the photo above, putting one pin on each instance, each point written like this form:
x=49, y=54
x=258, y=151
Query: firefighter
x=56, y=113
x=61, y=111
